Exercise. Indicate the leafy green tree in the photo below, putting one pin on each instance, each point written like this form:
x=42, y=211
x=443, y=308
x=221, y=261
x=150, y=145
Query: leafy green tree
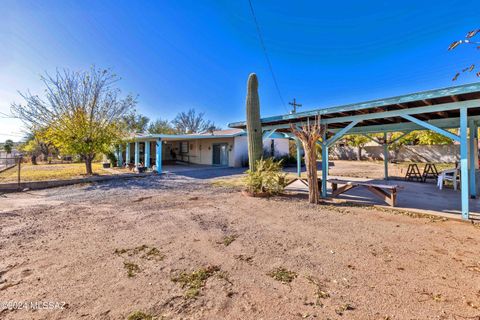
x=136, y=123
x=8, y=146
x=358, y=141
x=429, y=137
x=161, y=126
x=81, y=112
x=34, y=146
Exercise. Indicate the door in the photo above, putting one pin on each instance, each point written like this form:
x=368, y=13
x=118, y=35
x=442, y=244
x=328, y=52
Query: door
x=220, y=154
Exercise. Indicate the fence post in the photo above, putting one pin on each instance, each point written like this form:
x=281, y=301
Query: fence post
x=18, y=170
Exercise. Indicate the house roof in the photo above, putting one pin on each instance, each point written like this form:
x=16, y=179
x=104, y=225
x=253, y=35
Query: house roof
x=229, y=133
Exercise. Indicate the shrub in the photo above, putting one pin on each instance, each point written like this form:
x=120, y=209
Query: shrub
x=111, y=158
x=266, y=178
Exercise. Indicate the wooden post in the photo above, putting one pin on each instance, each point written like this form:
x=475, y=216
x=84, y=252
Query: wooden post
x=18, y=170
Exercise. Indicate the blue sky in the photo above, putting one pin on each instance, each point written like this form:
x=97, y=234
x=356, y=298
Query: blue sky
x=178, y=55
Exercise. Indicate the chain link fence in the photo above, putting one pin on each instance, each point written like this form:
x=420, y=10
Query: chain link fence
x=7, y=162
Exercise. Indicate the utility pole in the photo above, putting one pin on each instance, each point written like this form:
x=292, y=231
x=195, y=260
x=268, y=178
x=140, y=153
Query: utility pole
x=295, y=105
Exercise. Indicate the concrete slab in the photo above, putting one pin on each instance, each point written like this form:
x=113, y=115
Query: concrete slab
x=198, y=171
x=413, y=196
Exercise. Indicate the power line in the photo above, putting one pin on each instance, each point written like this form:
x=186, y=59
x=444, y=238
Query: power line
x=262, y=43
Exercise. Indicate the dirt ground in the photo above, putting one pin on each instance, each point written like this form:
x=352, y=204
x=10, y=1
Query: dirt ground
x=106, y=250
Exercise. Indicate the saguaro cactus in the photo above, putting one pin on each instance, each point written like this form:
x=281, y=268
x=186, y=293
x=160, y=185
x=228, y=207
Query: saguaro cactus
x=254, y=127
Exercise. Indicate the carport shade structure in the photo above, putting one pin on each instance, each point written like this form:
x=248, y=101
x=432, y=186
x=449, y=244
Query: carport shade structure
x=436, y=110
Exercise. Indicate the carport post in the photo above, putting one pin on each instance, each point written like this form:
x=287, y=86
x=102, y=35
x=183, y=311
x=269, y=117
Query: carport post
x=324, y=165
x=473, y=128
x=120, y=156
x=147, y=154
x=158, y=156
x=464, y=162
x=385, y=156
x=127, y=153
x=299, y=157
x=137, y=153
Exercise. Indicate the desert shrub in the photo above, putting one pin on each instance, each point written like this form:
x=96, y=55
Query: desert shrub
x=111, y=158
x=266, y=178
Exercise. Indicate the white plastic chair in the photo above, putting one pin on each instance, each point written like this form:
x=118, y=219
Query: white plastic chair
x=452, y=175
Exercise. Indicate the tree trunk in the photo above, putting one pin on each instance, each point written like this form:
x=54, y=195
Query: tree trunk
x=359, y=155
x=312, y=175
x=309, y=134
x=88, y=165
x=33, y=158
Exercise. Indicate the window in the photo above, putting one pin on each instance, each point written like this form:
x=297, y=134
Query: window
x=184, y=147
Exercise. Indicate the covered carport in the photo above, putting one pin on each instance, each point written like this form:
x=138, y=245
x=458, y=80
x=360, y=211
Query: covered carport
x=437, y=110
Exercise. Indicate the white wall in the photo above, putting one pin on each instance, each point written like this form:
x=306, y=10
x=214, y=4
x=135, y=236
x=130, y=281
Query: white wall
x=241, y=148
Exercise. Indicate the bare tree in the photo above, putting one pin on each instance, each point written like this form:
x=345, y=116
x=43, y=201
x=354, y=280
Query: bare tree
x=191, y=122
x=81, y=112
x=309, y=134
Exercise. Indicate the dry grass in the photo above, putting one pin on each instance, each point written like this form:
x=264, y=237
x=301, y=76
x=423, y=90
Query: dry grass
x=41, y=172
x=195, y=280
x=283, y=275
x=233, y=182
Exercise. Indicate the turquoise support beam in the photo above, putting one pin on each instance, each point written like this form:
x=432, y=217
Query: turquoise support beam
x=385, y=156
x=137, y=153
x=432, y=127
x=268, y=134
x=324, y=169
x=473, y=128
x=464, y=162
x=127, y=153
x=394, y=127
x=341, y=133
x=147, y=154
x=324, y=165
x=299, y=157
x=158, y=156
x=120, y=156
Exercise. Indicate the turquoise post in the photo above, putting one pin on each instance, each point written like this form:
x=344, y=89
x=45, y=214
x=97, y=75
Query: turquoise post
x=147, y=154
x=120, y=156
x=299, y=157
x=158, y=156
x=385, y=156
x=324, y=165
x=464, y=162
x=137, y=153
x=127, y=153
x=473, y=128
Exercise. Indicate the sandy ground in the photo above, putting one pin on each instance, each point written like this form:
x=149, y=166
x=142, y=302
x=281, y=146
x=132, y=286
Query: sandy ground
x=71, y=246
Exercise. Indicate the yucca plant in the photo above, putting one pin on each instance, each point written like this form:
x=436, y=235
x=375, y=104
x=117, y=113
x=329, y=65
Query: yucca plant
x=266, y=178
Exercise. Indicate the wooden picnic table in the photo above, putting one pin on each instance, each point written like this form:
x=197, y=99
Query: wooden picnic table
x=386, y=192
x=305, y=182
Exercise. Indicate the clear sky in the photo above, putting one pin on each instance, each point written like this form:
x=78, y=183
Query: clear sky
x=179, y=54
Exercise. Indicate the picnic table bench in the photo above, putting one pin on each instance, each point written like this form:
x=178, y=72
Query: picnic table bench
x=386, y=192
x=305, y=182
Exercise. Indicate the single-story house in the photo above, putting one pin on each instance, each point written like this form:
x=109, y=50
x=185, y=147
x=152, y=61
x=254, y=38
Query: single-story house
x=227, y=148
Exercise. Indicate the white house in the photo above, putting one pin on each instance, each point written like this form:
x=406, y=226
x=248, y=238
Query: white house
x=227, y=148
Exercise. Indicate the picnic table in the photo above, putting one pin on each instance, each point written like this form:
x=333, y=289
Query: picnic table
x=305, y=182
x=385, y=192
